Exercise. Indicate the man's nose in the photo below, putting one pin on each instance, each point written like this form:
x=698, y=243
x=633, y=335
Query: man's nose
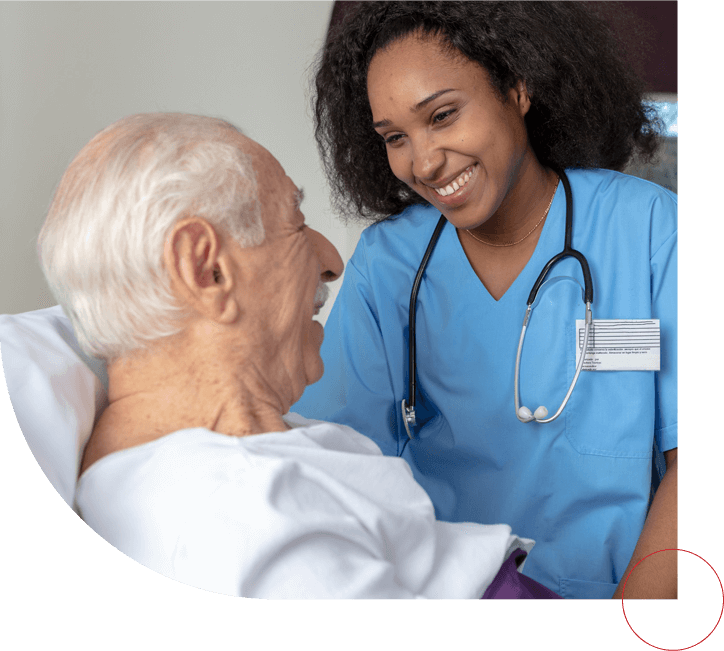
x=329, y=258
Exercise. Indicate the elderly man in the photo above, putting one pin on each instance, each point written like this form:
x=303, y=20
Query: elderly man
x=178, y=248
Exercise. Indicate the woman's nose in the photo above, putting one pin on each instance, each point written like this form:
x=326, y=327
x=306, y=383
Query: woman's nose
x=427, y=160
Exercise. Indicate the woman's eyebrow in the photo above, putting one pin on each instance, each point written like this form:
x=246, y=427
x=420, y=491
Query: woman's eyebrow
x=420, y=105
x=427, y=100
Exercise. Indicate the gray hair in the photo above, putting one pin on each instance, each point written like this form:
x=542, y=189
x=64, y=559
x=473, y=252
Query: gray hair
x=101, y=247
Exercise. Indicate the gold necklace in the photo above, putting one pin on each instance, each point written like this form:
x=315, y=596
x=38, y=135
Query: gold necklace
x=530, y=232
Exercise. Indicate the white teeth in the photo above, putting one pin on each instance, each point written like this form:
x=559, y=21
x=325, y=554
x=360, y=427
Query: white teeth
x=457, y=184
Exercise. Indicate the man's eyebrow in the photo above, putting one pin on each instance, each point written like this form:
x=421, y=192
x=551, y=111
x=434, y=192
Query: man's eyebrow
x=298, y=198
x=420, y=105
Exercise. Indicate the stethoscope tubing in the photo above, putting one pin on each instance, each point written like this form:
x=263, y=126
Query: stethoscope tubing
x=567, y=252
x=412, y=356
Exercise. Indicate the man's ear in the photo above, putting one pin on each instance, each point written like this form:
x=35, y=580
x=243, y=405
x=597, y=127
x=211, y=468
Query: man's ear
x=199, y=269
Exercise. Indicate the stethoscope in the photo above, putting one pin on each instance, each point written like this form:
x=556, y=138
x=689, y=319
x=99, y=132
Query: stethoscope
x=523, y=414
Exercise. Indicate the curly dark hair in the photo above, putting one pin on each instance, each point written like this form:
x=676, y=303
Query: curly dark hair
x=586, y=102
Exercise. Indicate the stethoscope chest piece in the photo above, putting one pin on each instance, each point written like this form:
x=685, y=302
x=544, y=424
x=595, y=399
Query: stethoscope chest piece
x=408, y=417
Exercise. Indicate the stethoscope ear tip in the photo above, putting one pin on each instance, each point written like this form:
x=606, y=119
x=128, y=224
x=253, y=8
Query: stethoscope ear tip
x=526, y=416
x=540, y=413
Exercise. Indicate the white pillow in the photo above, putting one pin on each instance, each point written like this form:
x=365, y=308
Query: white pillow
x=56, y=390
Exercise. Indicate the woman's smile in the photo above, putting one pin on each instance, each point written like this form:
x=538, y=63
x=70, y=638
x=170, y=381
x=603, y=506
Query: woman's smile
x=456, y=192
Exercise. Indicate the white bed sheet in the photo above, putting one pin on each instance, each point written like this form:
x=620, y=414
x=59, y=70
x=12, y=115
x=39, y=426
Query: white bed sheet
x=55, y=389
x=315, y=512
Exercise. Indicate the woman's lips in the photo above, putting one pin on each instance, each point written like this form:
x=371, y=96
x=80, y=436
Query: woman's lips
x=457, y=191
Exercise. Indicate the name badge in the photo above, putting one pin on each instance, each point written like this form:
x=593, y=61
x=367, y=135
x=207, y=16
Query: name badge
x=620, y=345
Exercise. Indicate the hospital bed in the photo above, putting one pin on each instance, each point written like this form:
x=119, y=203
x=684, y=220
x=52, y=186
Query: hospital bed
x=57, y=391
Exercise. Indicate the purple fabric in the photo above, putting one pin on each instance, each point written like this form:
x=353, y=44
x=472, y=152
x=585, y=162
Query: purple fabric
x=511, y=584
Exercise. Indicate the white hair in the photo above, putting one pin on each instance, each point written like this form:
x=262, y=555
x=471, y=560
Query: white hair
x=101, y=247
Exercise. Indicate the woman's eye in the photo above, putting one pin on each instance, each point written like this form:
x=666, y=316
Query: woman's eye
x=436, y=119
x=441, y=117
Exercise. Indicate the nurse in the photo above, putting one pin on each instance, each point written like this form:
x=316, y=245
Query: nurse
x=472, y=110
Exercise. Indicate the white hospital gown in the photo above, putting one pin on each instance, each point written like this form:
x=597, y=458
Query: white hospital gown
x=313, y=512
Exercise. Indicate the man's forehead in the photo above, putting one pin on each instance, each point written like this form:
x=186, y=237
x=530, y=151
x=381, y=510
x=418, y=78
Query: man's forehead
x=265, y=164
x=270, y=172
x=279, y=196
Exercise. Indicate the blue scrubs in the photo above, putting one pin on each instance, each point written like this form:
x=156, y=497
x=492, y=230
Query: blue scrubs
x=580, y=486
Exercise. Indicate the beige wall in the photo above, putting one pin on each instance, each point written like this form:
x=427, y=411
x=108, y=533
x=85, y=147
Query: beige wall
x=70, y=69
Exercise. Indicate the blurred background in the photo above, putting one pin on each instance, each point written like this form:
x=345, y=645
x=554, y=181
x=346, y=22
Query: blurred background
x=68, y=69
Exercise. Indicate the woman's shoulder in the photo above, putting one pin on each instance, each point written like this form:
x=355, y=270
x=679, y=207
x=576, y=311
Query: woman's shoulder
x=414, y=218
x=609, y=184
x=402, y=237
x=608, y=202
